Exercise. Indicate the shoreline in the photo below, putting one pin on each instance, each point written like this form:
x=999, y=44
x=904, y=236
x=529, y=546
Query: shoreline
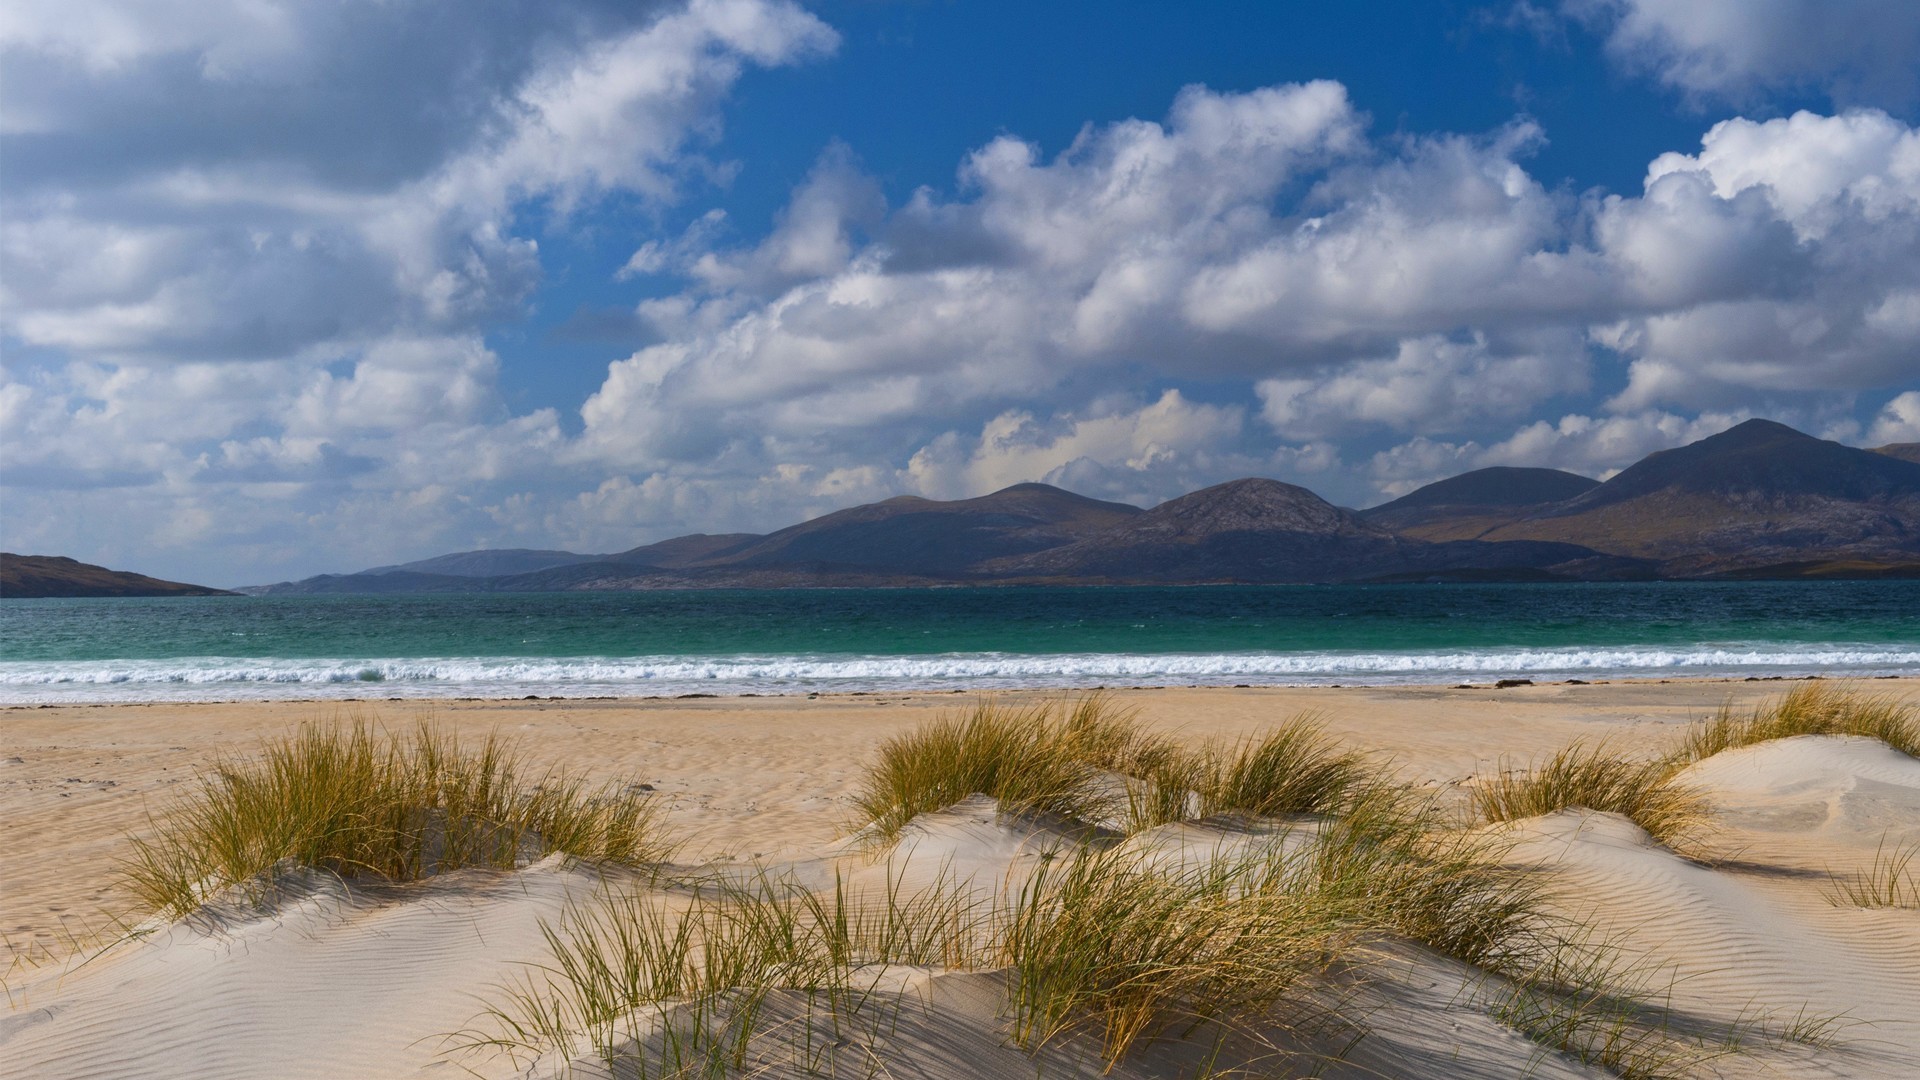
x=431, y=699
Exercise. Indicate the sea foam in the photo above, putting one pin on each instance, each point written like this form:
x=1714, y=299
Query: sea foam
x=227, y=678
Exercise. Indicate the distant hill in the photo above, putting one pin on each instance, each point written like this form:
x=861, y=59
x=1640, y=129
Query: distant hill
x=922, y=536
x=1905, y=451
x=489, y=563
x=1759, y=500
x=1469, y=505
x=1244, y=530
x=1756, y=495
x=54, y=575
x=681, y=550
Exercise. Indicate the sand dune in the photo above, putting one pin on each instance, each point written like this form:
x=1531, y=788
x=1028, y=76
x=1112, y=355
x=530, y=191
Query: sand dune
x=367, y=982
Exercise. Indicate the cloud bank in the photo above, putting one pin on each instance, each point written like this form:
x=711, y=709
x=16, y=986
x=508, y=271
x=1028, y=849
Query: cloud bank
x=247, y=297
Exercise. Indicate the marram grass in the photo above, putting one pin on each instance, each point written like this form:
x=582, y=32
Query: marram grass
x=1592, y=778
x=1035, y=758
x=344, y=799
x=1295, y=768
x=1109, y=945
x=1113, y=945
x=1814, y=708
x=739, y=978
x=1064, y=757
x=1891, y=881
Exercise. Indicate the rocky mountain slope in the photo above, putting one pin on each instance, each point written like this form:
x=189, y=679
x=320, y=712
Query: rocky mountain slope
x=1466, y=506
x=1756, y=495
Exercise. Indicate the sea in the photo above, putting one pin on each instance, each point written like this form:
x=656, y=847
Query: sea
x=801, y=641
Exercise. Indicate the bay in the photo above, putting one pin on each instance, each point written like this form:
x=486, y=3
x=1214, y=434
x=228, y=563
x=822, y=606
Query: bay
x=803, y=640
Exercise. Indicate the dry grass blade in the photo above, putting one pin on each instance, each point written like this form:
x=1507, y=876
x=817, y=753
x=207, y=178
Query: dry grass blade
x=1591, y=778
x=345, y=800
x=1890, y=882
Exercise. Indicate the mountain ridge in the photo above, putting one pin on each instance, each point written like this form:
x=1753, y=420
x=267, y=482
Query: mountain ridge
x=1760, y=498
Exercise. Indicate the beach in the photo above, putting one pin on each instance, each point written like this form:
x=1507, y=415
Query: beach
x=770, y=780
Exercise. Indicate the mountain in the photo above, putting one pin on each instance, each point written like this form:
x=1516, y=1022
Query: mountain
x=513, y=562
x=54, y=575
x=1756, y=495
x=1759, y=500
x=1244, y=530
x=924, y=537
x=1467, y=506
x=1905, y=451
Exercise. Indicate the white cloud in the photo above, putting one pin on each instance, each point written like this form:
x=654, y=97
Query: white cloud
x=1135, y=452
x=1592, y=446
x=1430, y=384
x=242, y=249
x=1859, y=50
x=1898, y=422
x=1779, y=258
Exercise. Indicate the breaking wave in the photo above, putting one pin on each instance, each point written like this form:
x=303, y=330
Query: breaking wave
x=224, y=678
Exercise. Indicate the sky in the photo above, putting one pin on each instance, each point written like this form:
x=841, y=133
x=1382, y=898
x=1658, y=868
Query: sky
x=292, y=288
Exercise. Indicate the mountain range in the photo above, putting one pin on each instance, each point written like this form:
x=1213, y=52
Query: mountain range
x=1758, y=500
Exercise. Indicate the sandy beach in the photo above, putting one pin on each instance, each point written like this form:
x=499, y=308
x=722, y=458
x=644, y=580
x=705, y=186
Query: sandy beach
x=770, y=780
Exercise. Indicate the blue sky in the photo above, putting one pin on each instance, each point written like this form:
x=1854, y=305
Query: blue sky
x=291, y=288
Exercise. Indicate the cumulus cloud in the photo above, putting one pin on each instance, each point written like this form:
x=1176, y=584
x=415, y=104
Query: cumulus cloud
x=1803, y=243
x=1430, y=384
x=1898, y=422
x=1592, y=446
x=1425, y=286
x=1861, y=51
x=276, y=346
x=164, y=203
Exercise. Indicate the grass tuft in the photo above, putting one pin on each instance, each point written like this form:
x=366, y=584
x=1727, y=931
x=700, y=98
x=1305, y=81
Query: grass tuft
x=1042, y=757
x=1113, y=943
x=655, y=986
x=1296, y=768
x=345, y=800
x=1394, y=862
x=1590, y=777
x=1809, y=709
x=1892, y=881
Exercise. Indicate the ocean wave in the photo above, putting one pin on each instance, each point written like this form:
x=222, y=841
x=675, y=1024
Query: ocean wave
x=226, y=677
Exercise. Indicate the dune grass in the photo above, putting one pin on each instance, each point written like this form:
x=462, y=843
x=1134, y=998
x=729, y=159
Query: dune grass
x=1029, y=759
x=659, y=986
x=344, y=799
x=1395, y=860
x=1116, y=945
x=1892, y=881
x=1295, y=768
x=1109, y=945
x=1591, y=777
x=1063, y=757
x=1814, y=708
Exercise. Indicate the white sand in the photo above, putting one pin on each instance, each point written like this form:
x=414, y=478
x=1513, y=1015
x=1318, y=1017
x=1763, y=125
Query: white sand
x=364, y=984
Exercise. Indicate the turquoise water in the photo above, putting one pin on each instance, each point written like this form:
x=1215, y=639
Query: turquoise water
x=788, y=641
